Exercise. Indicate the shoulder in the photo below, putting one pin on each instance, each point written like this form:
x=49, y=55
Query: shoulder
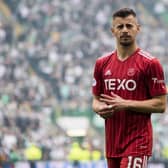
x=147, y=57
x=148, y=60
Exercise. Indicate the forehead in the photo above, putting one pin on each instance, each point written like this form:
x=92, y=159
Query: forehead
x=124, y=20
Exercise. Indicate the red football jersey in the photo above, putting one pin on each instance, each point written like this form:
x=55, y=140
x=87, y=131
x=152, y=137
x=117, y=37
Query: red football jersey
x=139, y=77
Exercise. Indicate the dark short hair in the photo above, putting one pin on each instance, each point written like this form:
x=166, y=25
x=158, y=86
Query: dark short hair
x=124, y=12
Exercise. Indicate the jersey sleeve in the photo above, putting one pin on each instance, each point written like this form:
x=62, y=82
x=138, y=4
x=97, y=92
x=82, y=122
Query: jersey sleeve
x=97, y=88
x=155, y=78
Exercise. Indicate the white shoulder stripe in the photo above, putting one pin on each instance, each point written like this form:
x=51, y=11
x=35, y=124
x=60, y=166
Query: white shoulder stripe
x=146, y=54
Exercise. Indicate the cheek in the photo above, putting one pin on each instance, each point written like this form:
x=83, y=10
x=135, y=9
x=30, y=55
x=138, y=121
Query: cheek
x=117, y=34
x=135, y=33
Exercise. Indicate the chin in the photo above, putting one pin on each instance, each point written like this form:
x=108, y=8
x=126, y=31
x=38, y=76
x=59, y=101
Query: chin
x=125, y=44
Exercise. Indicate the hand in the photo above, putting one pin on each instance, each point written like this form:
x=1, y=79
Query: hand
x=117, y=102
x=105, y=110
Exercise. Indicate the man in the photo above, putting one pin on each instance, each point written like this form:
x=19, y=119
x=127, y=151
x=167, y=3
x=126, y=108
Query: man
x=128, y=86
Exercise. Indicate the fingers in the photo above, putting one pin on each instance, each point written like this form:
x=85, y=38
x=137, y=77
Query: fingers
x=109, y=109
x=113, y=94
x=105, y=96
x=106, y=115
x=110, y=106
x=106, y=108
x=109, y=97
x=108, y=101
x=106, y=111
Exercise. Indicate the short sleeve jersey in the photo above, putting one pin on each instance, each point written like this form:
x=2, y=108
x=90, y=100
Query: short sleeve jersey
x=139, y=77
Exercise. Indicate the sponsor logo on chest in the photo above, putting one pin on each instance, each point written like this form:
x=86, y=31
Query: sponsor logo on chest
x=120, y=84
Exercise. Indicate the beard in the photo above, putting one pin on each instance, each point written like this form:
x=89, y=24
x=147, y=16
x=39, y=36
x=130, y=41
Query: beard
x=126, y=43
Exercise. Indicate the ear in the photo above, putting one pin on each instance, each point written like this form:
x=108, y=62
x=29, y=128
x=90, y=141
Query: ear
x=112, y=30
x=139, y=27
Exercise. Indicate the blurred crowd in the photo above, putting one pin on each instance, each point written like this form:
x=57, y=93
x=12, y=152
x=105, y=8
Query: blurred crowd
x=47, y=52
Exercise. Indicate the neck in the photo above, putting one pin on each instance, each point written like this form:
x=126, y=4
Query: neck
x=124, y=52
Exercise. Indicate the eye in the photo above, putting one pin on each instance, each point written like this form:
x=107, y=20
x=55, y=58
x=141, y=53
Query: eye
x=129, y=26
x=120, y=26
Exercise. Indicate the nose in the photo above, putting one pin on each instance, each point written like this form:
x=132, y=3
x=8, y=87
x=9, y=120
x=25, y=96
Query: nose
x=125, y=28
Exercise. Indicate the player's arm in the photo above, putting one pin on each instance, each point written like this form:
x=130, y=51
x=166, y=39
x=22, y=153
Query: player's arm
x=101, y=108
x=154, y=105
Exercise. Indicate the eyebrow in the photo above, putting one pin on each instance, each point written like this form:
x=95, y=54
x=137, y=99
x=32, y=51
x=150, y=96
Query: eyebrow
x=124, y=24
x=120, y=24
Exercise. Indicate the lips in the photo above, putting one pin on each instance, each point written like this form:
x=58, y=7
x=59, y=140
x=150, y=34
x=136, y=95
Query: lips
x=125, y=37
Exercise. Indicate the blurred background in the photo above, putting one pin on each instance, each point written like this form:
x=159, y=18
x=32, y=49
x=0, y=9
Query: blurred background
x=47, y=53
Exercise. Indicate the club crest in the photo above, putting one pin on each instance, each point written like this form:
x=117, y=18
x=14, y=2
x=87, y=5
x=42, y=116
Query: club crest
x=131, y=72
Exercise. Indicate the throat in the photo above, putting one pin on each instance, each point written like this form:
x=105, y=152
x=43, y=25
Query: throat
x=123, y=57
x=125, y=54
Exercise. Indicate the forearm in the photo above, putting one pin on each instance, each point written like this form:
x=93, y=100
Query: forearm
x=97, y=104
x=154, y=105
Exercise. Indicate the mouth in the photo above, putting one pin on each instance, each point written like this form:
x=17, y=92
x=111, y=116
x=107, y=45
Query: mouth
x=125, y=37
x=125, y=40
